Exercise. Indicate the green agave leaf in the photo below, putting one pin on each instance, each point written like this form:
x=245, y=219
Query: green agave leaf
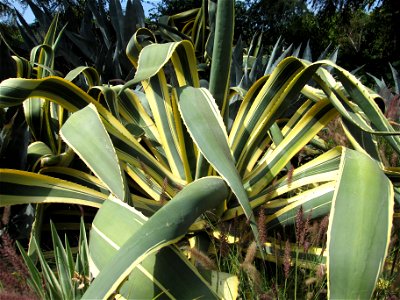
x=37, y=151
x=321, y=172
x=85, y=133
x=302, y=133
x=151, y=277
x=35, y=279
x=222, y=53
x=133, y=112
x=91, y=75
x=24, y=67
x=359, y=227
x=63, y=265
x=205, y=125
x=76, y=176
x=153, y=58
x=161, y=104
x=165, y=227
x=20, y=187
x=137, y=42
x=14, y=91
x=52, y=285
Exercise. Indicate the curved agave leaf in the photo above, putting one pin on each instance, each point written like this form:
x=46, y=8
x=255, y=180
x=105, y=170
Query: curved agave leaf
x=72, y=98
x=91, y=75
x=174, y=141
x=36, y=152
x=76, y=176
x=152, y=276
x=165, y=227
x=153, y=57
x=141, y=38
x=20, y=187
x=320, y=172
x=14, y=91
x=359, y=227
x=272, y=163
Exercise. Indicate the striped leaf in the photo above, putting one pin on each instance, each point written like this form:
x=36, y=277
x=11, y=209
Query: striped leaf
x=359, y=227
x=151, y=277
x=165, y=227
x=20, y=187
x=208, y=131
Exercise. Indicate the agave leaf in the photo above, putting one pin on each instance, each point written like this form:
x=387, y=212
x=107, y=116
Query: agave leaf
x=161, y=105
x=85, y=133
x=165, y=227
x=76, y=176
x=68, y=95
x=132, y=111
x=52, y=285
x=273, y=162
x=92, y=77
x=271, y=61
x=221, y=56
x=35, y=280
x=359, y=227
x=360, y=140
x=307, y=52
x=20, y=187
x=150, y=278
x=208, y=132
x=153, y=57
x=396, y=79
x=64, y=271
x=142, y=37
x=321, y=172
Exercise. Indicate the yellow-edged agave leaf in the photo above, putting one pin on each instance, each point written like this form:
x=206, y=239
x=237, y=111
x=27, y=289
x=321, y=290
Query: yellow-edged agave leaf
x=360, y=140
x=205, y=125
x=320, y=114
x=266, y=106
x=132, y=112
x=161, y=105
x=85, y=133
x=72, y=98
x=365, y=112
x=37, y=151
x=14, y=91
x=360, y=225
x=151, y=61
x=141, y=38
x=107, y=97
x=164, y=228
x=20, y=187
x=152, y=276
x=90, y=74
x=321, y=173
x=76, y=176
x=24, y=67
x=153, y=58
x=315, y=201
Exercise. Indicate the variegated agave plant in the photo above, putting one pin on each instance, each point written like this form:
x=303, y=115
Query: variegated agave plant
x=158, y=155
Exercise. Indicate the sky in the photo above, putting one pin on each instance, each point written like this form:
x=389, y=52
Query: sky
x=29, y=17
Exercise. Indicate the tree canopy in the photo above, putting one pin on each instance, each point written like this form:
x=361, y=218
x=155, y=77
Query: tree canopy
x=366, y=31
